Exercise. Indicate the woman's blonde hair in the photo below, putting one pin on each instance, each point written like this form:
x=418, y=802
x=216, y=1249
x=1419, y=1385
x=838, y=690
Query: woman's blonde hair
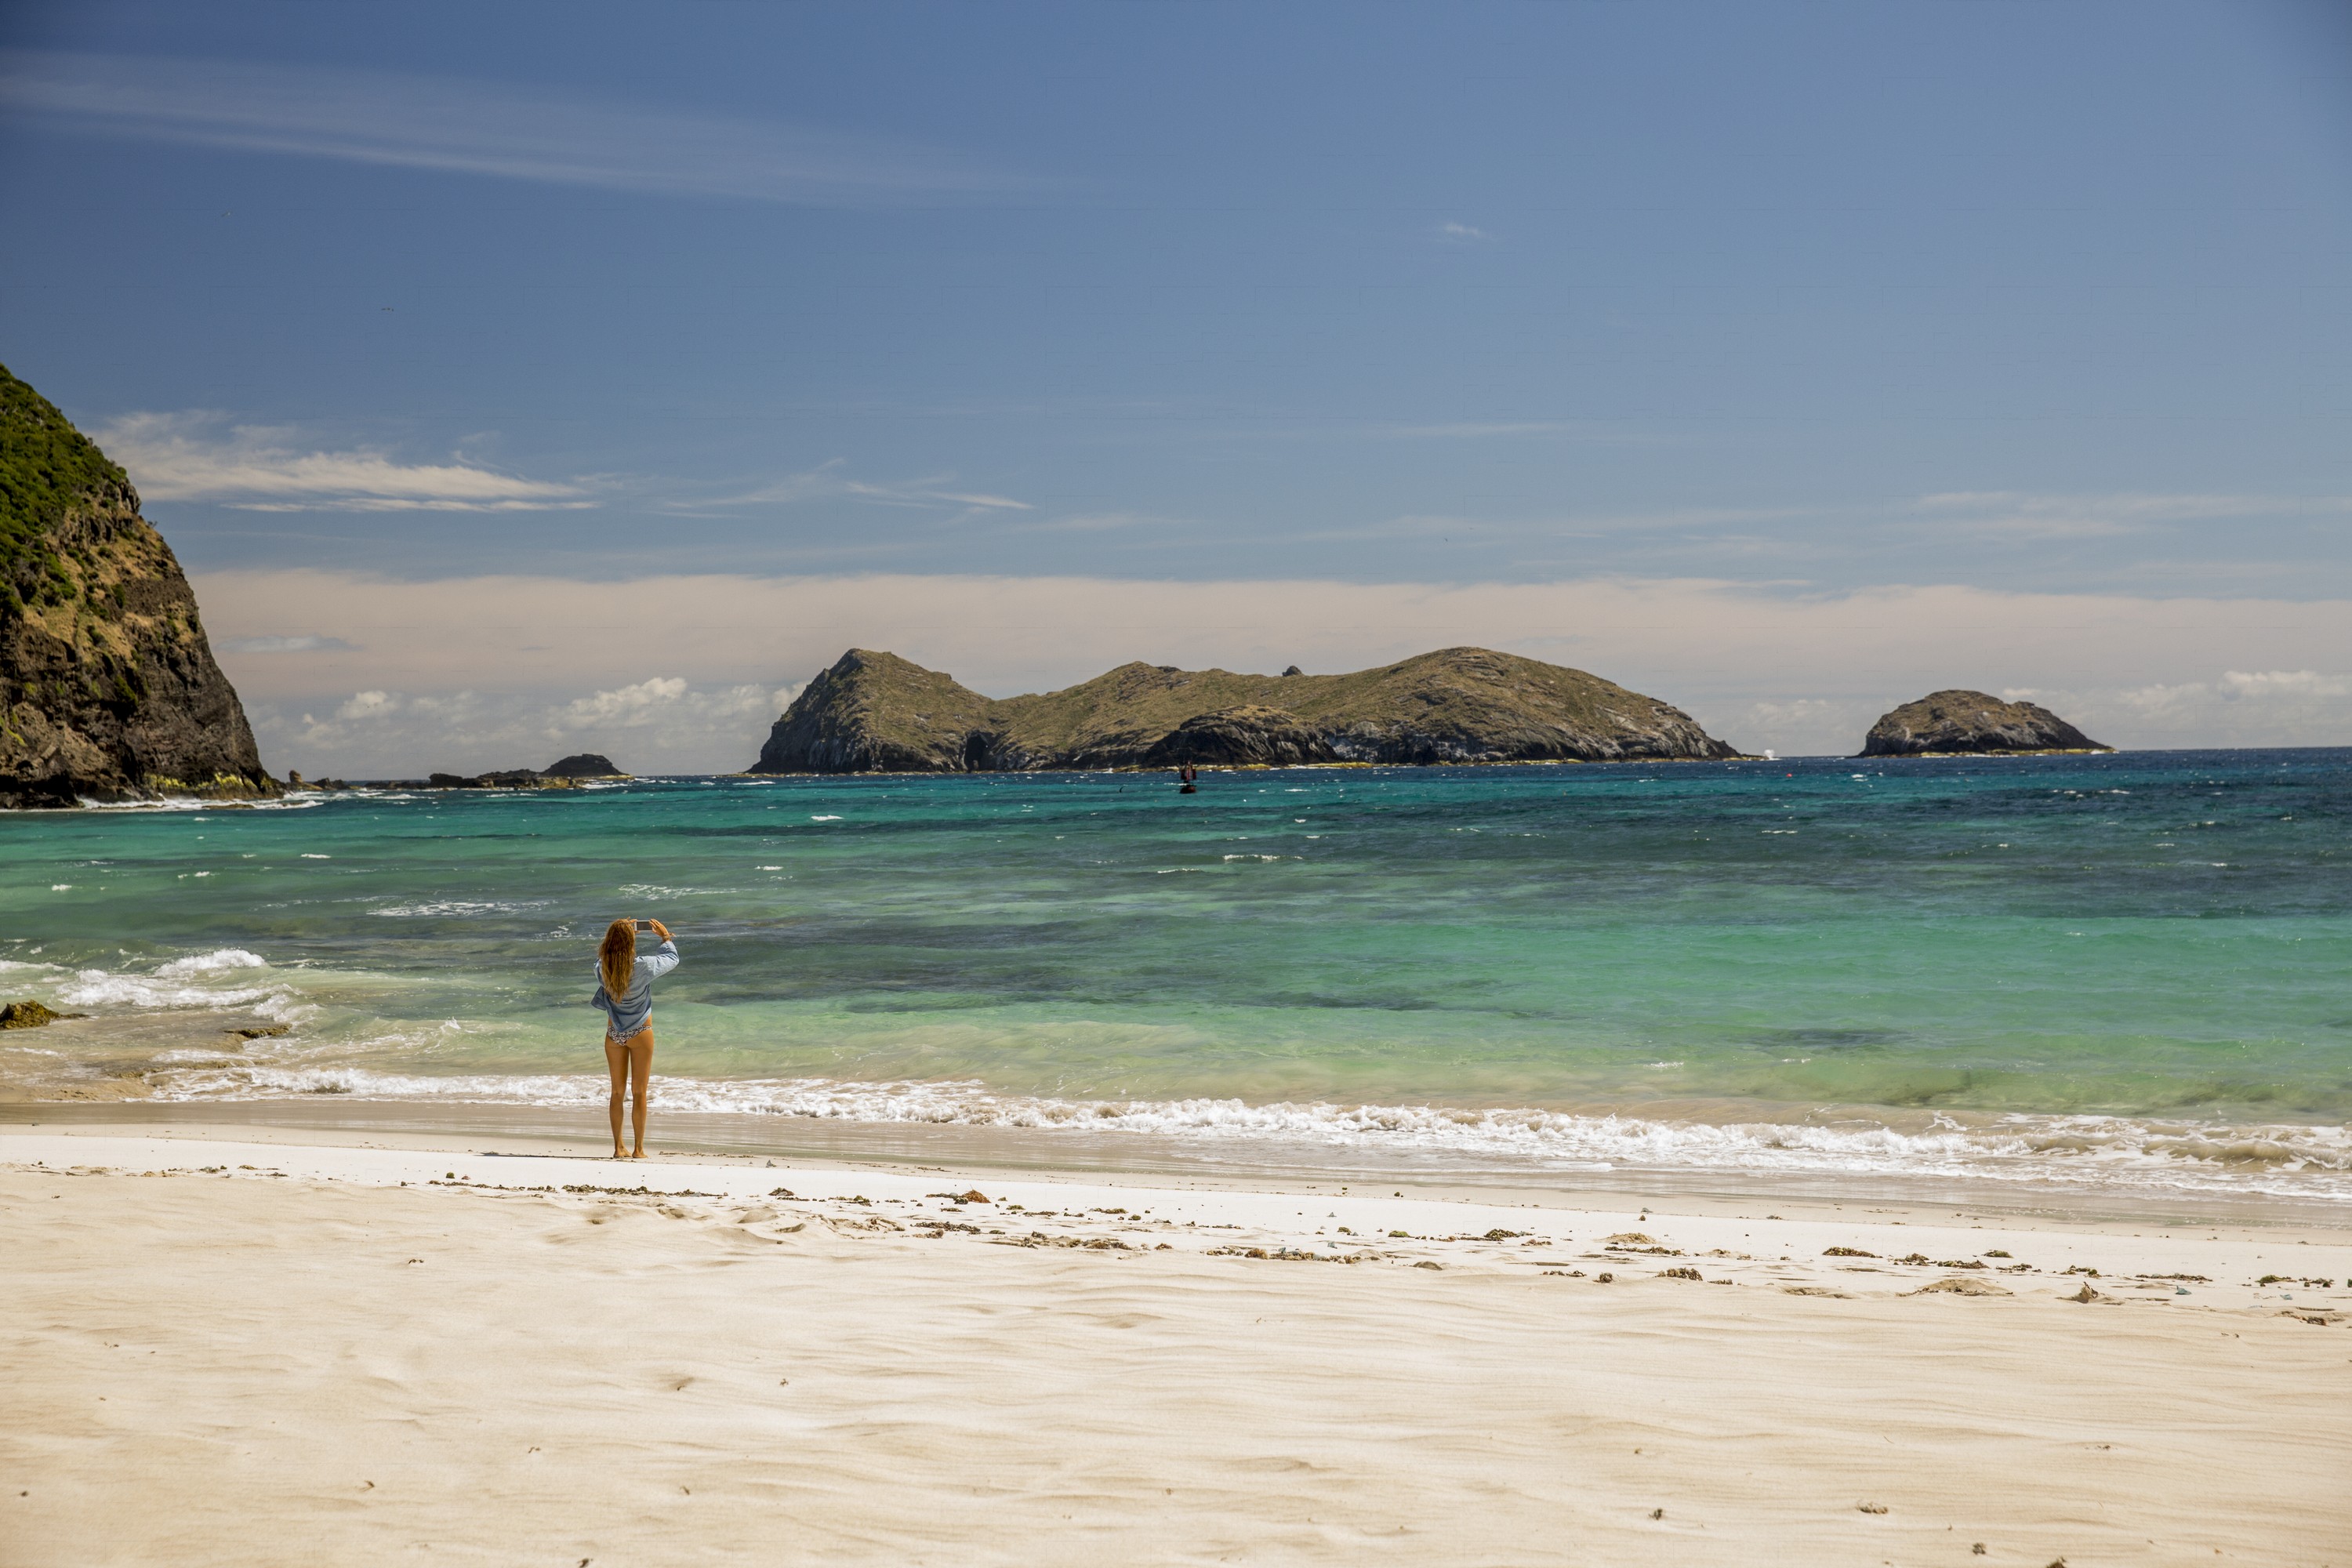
x=616, y=957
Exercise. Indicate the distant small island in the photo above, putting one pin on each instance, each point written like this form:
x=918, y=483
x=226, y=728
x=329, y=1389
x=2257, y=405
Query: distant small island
x=1972, y=723
x=876, y=712
x=563, y=775
x=583, y=765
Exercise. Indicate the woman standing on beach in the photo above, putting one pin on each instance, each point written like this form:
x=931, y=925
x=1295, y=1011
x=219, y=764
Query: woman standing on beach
x=625, y=990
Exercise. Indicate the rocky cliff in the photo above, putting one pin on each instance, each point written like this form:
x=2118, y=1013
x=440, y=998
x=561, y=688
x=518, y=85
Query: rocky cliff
x=1949, y=723
x=108, y=688
x=876, y=712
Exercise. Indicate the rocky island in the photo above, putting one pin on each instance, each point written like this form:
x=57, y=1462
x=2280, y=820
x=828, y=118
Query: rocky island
x=108, y=687
x=876, y=712
x=562, y=774
x=583, y=765
x=1971, y=723
x=579, y=768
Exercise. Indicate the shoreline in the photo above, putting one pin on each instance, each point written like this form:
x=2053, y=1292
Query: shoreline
x=223, y=1035
x=1127, y=1158
x=160, y=1065
x=521, y=1355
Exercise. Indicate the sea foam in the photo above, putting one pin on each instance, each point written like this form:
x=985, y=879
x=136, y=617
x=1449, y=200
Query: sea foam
x=2101, y=1150
x=212, y=962
x=221, y=979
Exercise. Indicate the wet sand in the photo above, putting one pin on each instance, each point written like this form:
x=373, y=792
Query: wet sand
x=1252, y=1163
x=232, y=1349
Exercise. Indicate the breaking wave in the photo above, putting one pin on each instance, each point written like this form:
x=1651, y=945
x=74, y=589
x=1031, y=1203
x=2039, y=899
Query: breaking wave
x=213, y=962
x=224, y=978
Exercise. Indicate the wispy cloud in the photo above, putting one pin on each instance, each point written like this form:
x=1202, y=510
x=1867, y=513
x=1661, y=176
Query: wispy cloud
x=1270, y=426
x=303, y=644
x=2015, y=519
x=828, y=481
x=1471, y=429
x=1716, y=523
x=493, y=129
x=1683, y=519
x=1096, y=523
x=191, y=457
x=1462, y=234
x=2015, y=514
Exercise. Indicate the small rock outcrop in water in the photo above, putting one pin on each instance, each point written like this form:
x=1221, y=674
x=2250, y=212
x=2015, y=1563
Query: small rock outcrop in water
x=583, y=766
x=31, y=1016
x=876, y=712
x=1956, y=723
x=107, y=685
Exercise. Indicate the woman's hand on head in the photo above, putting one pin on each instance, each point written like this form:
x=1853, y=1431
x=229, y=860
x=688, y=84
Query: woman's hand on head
x=660, y=930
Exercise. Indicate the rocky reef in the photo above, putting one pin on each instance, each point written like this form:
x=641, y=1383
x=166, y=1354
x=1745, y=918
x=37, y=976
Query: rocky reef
x=876, y=712
x=1961, y=724
x=30, y=1014
x=108, y=688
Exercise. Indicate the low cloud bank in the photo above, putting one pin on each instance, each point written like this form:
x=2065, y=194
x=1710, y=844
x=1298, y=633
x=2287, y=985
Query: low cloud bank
x=363, y=677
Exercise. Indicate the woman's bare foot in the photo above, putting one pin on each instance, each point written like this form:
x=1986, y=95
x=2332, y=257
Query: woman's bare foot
x=620, y=1154
x=639, y=1154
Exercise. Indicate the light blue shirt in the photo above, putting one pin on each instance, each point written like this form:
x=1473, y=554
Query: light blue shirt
x=628, y=1017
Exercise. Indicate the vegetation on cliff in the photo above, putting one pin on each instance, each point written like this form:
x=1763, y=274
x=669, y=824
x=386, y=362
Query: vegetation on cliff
x=876, y=712
x=108, y=688
x=1957, y=722
x=49, y=469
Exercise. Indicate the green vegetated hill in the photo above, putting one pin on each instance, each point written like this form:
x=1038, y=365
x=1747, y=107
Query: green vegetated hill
x=108, y=687
x=876, y=712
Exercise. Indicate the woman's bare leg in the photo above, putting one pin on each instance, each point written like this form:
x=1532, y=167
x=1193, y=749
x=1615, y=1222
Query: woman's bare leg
x=641, y=1072
x=616, y=1060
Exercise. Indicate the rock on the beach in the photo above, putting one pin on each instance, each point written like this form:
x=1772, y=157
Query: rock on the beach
x=1959, y=1285
x=108, y=685
x=1957, y=722
x=876, y=712
x=27, y=1015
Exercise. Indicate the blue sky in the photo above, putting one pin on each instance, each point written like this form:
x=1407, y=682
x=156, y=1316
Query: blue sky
x=1865, y=348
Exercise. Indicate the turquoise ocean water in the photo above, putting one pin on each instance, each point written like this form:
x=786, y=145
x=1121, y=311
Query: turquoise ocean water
x=2129, y=970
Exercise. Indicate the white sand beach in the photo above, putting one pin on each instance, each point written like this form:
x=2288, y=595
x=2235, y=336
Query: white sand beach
x=228, y=1350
